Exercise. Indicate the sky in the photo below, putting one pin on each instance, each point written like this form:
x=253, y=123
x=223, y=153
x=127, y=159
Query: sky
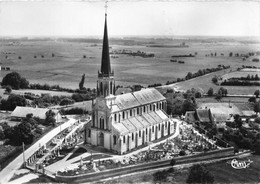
x=130, y=18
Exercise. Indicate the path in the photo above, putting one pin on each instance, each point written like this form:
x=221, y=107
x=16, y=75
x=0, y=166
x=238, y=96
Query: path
x=7, y=173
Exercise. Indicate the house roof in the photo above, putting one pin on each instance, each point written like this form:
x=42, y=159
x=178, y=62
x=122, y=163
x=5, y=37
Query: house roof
x=203, y=115
x=190, y=116
x=248, y=113
x=21, y=112
x=220, y=117
x=136, y=99
x=134, y=124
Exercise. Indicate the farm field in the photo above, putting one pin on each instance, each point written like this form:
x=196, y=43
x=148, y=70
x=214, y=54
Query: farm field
x=205, y=82
x=34, y=91
x=222, y=172
x=241, y=103
x=61, y=61
x=241, y=73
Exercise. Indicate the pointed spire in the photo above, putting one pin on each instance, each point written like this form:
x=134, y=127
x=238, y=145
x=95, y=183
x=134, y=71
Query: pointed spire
x=105, y=61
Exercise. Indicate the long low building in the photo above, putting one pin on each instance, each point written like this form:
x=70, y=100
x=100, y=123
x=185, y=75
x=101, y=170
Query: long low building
x=21, y=112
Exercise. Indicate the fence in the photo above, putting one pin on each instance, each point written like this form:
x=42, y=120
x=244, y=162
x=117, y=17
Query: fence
x=140, y=167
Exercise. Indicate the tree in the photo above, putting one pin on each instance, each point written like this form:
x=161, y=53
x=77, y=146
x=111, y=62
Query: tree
x=257, y=120
x=257, y=93
x=215, y=80
x=66, y=101
x=257, y=107
x=189, y=105
x=230, y=54
x=210, y=92
x=199, y=174
x=174, y=105
x=2, y=134
x=50, y=120
x=81, y=83
x=188, y=76
x=8, y=89
x=252, y=99
x=15, y=81
x=12, y=101
x=198, y=94
x=23, y=133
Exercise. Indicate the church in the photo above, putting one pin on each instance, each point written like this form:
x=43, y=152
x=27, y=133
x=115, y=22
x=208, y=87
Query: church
x=121, y=123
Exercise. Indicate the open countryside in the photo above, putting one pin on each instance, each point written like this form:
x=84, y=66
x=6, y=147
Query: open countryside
x=63, y=61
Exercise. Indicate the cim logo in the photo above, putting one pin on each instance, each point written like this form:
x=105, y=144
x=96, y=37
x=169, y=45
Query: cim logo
x=240, y=164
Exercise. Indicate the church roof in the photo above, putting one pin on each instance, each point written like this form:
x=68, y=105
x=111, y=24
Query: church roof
x=149, y=95
x=137, y=123
x=135, y=99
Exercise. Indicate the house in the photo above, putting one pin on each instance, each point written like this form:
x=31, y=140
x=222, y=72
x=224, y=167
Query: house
x=200, y=115
x=21, y=112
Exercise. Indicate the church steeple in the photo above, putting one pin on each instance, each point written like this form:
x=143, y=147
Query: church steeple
x=105, y=61
x=106, y=82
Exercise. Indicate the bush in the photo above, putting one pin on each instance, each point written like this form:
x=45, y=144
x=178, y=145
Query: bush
x=66, y=101
x=199, y=174
x=173, y=162
x=210, y=92
x=182, y=153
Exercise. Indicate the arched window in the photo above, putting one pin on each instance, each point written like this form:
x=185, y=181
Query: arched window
x=139, y=133
x=146, y=131
x=89, y=133
x=150, y=107
x=159, y=126
x=102, y=125
x=144, y=108
x=154, y=107
x=130, y=112
x=123, y=114
x=115, y=117
x=137, y=110
x=111, y=88
x=114, y=139
x=165, y=124
x=132, y=136
x=123, y=139
x=153, y=129
x=101, y=88
x=157, y=106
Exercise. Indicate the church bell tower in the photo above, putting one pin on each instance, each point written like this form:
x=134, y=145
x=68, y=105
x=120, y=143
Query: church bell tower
x=106, y=82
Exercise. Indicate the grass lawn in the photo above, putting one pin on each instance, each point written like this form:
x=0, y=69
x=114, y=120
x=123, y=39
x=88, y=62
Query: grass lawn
x=95, y=157
x=222, y=172
x=78, y=152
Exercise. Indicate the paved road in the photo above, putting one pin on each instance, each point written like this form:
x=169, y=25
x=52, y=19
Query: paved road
x=7, y=173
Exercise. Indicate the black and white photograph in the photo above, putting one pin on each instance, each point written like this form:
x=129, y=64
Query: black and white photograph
x=129, y=91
